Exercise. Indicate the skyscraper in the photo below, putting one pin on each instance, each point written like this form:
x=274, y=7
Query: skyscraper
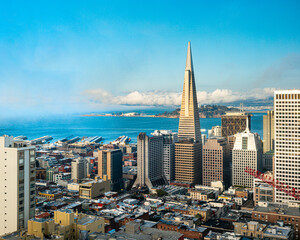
x=17, y=184
x=215, y=161
x=247, y=152
x=268, y=139
x=110, y=165
x=149, y=161
x=188, y=149
x=287, y=141
x=233, y=123
x=79, y=169
x=169, y=140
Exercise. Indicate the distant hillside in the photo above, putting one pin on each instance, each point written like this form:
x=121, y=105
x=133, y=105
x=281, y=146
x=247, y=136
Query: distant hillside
x=205, y=111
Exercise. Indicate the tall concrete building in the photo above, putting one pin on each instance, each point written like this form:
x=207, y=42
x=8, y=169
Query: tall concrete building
x=110, y=167
x=215, y=131
x=188, y=153
x=79, y=169
x=233, y=123
x=17, y=184
x=149, y=161
x=287, y=141
x=268, y=134
x=247, y=152
x=215, y=161
x=169, y=140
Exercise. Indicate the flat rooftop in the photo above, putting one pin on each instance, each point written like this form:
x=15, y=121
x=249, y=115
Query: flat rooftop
x=87, y=220
x=278, y=209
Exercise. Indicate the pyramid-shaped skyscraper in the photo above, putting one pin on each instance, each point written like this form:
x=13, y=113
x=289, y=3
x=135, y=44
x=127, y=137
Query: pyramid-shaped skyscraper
x=188, y=151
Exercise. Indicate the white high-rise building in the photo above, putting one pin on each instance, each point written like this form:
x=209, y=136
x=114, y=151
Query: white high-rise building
x=79, y=169
x=247, y=152
x=149, y=161
x=287, y=141
x=215, y=131
x=169, y=140
x=17, y=184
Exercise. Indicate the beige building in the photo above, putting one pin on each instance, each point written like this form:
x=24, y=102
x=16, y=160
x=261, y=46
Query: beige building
x=188, y=151
x=17, y=184
x=66, y=225
x=110, y=167
x=202, y=194
x=251, y=229
x=287, y=142
x=79, y=169
x=216, y=165
x=93, y=188
x=268, y=134
x=263, y=192
x=247, y=152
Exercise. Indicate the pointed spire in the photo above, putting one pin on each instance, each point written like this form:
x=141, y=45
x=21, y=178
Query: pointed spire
x=189, y=61
x=189, y=125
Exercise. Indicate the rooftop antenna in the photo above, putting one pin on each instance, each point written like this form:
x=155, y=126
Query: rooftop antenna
x=247, y=125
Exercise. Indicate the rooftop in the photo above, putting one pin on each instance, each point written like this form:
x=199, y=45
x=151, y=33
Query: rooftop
x=87, y=220
x=277, y=231
x=278, y=209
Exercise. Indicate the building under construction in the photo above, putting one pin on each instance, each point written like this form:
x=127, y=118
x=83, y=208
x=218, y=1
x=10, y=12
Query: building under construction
x=233, y=123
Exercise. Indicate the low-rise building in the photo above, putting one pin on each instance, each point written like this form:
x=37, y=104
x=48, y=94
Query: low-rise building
x=202, y=194
x=50, y=195
x=277, y=233
x=61, y=176
x=263, y=192
x=274, y=212
x=190, y=233
x=66, y=225
x=93, y=188
x=251, y=229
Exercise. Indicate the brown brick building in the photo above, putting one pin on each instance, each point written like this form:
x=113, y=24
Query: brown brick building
x=272, y=212
x=233, y=123
x=215, y=161
x=197, y=233
x=41, y=173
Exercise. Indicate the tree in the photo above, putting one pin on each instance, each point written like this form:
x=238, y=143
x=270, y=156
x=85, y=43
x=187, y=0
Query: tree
x=161, y=193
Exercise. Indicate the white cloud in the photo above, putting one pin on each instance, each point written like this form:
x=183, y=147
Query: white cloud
x=164, y=98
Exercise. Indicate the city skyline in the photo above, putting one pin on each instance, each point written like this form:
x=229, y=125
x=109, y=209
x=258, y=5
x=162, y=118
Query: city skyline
x=78, y=53
x=110, y=130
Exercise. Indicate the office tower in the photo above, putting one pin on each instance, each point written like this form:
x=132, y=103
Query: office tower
x=188, y=149
x=268, y=161
x=233, y=123
x=215, y=131
x=247, y=152
x=149, y=161
x=203, y=139
x=268, y=137
x=287, y=141
x=169, y=140
x=78, y=169
x=17, y=184
x=215, y=161
x=88, y=167
x=231, y=141
x=110, y=167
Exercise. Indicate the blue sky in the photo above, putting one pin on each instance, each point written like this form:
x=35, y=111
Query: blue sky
x=81, y=56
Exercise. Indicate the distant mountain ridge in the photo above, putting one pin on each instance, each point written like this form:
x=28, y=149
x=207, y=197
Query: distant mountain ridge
x=205, y=111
